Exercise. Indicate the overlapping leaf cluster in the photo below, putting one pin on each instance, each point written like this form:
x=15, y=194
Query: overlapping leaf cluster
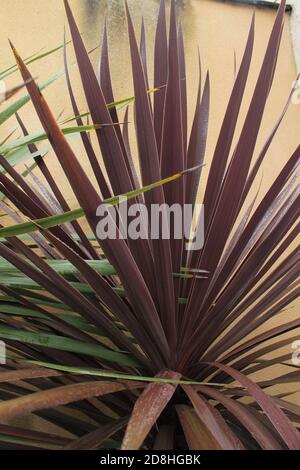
x=131, y=332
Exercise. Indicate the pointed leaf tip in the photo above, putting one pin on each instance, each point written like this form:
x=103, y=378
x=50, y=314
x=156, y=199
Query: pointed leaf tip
x=15, y=52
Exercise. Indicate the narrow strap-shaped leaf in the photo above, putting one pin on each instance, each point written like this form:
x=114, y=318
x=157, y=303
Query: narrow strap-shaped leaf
x=158, y=379
x=196, y=433
x=233, y=241
x=165, y=438
x=58, y=396
x=197, y=142
x=64, y=267
x=252, y=264
x=66, y=344
x=160, y=73
x=262, y=337
x=217, y=169
x=125, y=135
x=69, y=216
x=108, y=140
x=107, y=295
x=117, y=250
x=18, y=104
x=239, y=166
x=29, y=204
x=25, y=374
x=173, y=155
x=37, y=238
x=22, y=155
x=260, y=253
x=259, y=431
x=282, y=424
x=106, y=87
x=31, y=434
x=147, y=410
x=149, y=158
x=252, y=319
x=62, y=149
x=143, y=52
x=183, y=89
x=66, y=292
x=86, y=142
x=213, y=420
x=266, y=146
x=29, y=60
x=40, y=136
x=56, y=190
x=17, y=310
x=224, y=142
x=94, y=439
x=261, y=214
x=260, y=352
x=11, y=92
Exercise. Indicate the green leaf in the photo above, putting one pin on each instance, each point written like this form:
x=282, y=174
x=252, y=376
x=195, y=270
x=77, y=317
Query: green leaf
x=114, y=104
x=117, y=375
x=26, y=442
x=22, y=154
x=66, y=344
x=27, y=283
x=24, y=174
x=14, y=107
x=13, y=67
x=17, y=310
x=33, y=58
x=47, y=222
x=40, y=135
x=37, y=299
x=64, y=267
x=54, y=220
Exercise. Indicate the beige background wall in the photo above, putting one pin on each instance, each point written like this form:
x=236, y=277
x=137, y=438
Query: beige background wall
x=218, y=28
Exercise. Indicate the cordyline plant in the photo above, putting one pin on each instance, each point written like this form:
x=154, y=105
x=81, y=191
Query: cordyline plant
x=130, y=333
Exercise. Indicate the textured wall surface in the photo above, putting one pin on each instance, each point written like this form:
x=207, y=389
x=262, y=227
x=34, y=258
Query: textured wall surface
x=218, y=28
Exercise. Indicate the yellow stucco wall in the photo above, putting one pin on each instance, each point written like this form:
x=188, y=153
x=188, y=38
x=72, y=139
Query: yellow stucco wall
x=218, y=28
